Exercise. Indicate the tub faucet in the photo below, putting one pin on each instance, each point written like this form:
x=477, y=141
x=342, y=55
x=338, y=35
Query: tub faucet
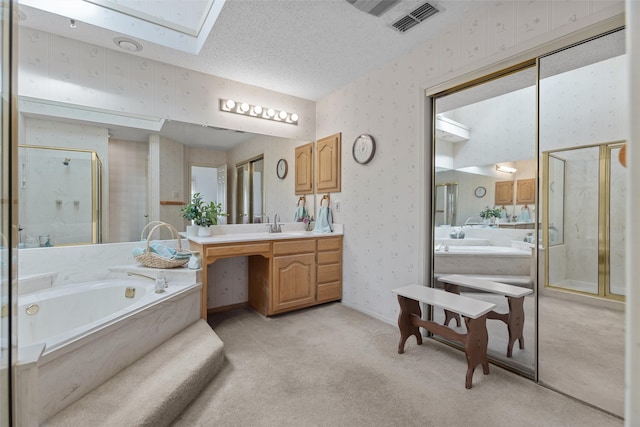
x=161, y=280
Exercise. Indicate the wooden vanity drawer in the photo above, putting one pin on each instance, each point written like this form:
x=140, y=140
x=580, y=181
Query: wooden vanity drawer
x=249, y=248
x=329, y=273
x=330, y=243
x=294, y=247
x=329, y=292
x=333, y=257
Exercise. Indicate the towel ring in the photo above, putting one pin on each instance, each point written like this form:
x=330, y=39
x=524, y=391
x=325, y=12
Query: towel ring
x=303, y=200
x=327, y=198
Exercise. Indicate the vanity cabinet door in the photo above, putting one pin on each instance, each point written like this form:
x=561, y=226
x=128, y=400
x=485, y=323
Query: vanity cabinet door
x=294, y=280
x=304, y=169
x=329, y=269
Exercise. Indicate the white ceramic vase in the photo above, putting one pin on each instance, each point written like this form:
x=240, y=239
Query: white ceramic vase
x=204, y=231
x=192, y=230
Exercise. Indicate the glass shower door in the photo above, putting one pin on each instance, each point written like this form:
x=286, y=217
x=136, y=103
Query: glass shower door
x=585, y=227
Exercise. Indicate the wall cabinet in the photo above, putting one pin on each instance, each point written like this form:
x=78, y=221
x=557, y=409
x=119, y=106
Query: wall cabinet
x=304, y=169
x=328, y=152
x=525, y=191
x=504, y=193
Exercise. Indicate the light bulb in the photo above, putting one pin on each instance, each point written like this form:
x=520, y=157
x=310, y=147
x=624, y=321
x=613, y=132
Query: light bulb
x=282, y=115
x=271, y=112
x=244, y=107
x=294, y=117
x=257, y=109
x=230, y=104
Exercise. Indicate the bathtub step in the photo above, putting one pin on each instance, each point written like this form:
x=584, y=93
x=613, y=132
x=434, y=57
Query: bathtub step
x=154, y=390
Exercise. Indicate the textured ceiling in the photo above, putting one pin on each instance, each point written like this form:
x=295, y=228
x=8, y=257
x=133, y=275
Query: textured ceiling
x=304, y=48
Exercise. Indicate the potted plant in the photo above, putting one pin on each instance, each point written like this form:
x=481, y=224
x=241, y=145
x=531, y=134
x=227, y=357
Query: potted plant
x=209, y=214
x=489, y=214
x=193, y=212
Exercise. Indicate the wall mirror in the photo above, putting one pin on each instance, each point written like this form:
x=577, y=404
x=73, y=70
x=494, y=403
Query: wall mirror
x=486, y=135
x=121, y=142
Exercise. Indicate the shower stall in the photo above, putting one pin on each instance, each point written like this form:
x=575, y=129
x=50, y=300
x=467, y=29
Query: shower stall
x=60, y=193
x=584, y=226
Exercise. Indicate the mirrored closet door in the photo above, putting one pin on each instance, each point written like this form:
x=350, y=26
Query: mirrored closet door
x=581, y=303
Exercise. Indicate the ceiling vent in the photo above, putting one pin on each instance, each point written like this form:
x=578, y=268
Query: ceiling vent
x=415, y=17
x=374, y=7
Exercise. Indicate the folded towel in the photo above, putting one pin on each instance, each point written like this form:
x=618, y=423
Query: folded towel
x=163, y=251
x=300, y=215
x=324, y=221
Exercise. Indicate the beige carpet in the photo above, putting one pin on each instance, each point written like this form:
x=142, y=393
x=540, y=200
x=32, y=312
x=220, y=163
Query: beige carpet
x=334, y=366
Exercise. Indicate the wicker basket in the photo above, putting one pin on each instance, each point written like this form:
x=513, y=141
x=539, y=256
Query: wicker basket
x=153, y=260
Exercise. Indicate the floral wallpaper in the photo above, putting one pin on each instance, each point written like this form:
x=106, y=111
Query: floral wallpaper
x=384, y=203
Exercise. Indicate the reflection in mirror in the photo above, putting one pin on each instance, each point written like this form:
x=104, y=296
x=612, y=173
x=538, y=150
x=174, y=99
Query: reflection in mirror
x=582, y=109
x=60, y=194
x=250, y=192
x=483, y=232
x=446, y=202
x=211, y=183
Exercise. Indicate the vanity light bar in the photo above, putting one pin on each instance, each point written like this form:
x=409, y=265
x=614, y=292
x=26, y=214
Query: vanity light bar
x=231, y=106
x=506, y=169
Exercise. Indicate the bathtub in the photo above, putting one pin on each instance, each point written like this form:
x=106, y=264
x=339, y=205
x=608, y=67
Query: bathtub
x=483, y=260
x=73, y=338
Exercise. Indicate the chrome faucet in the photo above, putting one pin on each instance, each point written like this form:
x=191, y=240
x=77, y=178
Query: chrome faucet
x=275, y=227
x=161, y=280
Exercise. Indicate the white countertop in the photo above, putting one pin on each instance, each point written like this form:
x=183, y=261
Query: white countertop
x=251, y=235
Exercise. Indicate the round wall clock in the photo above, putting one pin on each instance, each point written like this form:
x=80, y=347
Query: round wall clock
x=480, y=192
x=281, y=168
x=364, y=147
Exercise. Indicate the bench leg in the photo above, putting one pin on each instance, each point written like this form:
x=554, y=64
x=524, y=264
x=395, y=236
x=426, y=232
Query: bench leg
x=475, y=346
x=448, y=315
x=514, y=320
x=516, y=323
x=408, y=307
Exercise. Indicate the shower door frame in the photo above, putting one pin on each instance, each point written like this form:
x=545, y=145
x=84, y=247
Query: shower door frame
x=604, y=219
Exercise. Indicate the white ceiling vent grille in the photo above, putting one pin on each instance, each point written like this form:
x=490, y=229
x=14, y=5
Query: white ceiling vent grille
x=415, y=17
x=374, y=7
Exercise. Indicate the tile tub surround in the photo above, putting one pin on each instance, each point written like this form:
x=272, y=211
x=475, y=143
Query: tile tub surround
x=110, y=348
x=84, y=263
x=48, y=381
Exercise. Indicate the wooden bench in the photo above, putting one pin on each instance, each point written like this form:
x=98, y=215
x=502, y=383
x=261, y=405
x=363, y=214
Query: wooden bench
x=475, y=316
x=515, y=297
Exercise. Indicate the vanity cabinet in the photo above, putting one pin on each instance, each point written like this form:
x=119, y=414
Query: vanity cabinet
x=328, y=152
x=329, y=277
x=304, y=169
x=283, y=274
x=294, y=275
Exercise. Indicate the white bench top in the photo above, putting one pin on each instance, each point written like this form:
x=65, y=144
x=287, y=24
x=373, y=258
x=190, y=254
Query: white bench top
x=486, y=285
x=466, y=306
